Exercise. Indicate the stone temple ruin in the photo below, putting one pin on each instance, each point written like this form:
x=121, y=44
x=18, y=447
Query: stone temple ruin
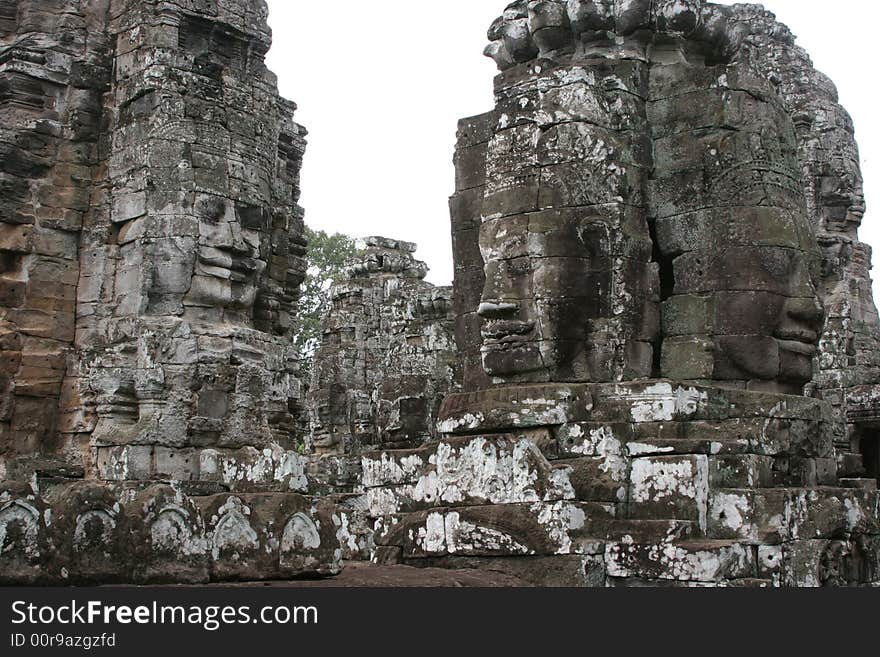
x=659, y=363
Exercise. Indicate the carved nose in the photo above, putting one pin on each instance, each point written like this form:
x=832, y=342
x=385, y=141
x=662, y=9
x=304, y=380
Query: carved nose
x=497, y=309
x=809, y=311
x=804, y=320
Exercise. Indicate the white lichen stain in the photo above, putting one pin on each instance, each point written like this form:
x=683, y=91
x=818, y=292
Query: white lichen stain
x=233, y=532
x=466, y=537
x=652, y=481
x=431, y=537
x=663, y=403
x=382, y=501
x=272, y=465
x=703, y=566
x=386, y=470
x=343, y=533
x=491, y=471
x=656, y=480
x=559, y=521
x=855, y=516
x=729, y=509
x=170, y=532
x=468, y=421
x=640, y=449
x=675, y=562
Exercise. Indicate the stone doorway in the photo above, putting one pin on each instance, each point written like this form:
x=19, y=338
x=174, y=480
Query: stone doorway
x=869, y=446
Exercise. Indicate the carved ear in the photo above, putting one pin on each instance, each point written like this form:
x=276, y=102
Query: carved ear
x=549, y=25
x=590, y=16
x=518, y=40
x=679, y=16
x=633, y=15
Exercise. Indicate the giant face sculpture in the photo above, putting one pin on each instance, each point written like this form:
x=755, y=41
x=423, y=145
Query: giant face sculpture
x=544, y=282
x=230, y=260
x=560, y=303
x=205, y=258
x=604, y=141
x=732, y=226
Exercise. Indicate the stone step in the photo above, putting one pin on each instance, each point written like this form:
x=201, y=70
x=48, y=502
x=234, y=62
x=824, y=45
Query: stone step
x=744, y=583
x=661, y=446
x=861, y=483
x=499, y=530
x=684, y=561
x=770, y=516
x=651, y=531
x=751, y=583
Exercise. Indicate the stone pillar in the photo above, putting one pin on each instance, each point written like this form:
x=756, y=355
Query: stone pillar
x=192, y=264
x=386, y=361
x=386, y=358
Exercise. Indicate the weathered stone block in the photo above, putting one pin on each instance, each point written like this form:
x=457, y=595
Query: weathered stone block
x=464, y=471
x=675, y=487
x=696, y=561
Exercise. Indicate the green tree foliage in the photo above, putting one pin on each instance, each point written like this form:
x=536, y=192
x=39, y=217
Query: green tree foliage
x=327, y=258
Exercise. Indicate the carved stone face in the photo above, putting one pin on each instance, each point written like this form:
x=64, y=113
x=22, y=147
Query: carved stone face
x=230, y=262
x=550, y=292
x=535, y=319
x=510, y=38
x=326, y=421
x=570, y=291
x=705, y=154
x=732, y=220
x=548, y=24
x=758, y=306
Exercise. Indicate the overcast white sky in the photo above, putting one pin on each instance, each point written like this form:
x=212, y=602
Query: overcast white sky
x=381, y=85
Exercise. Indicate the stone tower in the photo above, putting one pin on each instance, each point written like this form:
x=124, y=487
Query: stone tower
x=655, y=233
x=385, y=363
x=152, y=251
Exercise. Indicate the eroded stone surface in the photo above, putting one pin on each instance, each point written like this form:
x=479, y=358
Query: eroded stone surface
x=658, y=364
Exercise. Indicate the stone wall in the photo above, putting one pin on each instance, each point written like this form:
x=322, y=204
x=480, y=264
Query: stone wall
x=846, y=370
x=56, y=67
x=658, y=364
x=636, y=484
x=386, y=361
x=819, y=156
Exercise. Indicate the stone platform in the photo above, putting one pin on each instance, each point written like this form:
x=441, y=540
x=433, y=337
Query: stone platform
x=628, y=484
